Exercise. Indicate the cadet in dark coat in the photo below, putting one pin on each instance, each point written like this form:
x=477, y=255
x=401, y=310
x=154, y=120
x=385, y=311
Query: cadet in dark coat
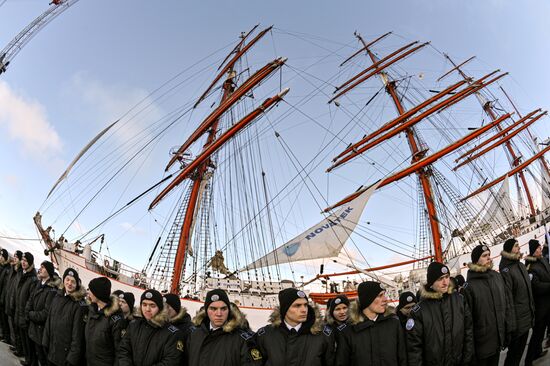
x=296, y=335
x=26, y=285
x=337, y=313
x=103, y=326
x=129, y=312
x=518, y=285
x=220, y=336
x=177, y=315
x=439, y=331
x=5, y=269
x=373, y=337
x=63, y=336
x=492, y=312
x=9, y=301
x=539, y=272
x=151, y=340
x=39, y=304
x=407, y=301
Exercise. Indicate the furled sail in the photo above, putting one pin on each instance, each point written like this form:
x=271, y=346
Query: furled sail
x=323, y=240
x=80, y=154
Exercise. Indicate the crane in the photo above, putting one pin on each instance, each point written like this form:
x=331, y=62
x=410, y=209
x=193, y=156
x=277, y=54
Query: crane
x=17, y=43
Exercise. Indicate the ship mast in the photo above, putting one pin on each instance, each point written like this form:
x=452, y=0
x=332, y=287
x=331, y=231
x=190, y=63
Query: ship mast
x=417, y=154
x=515, y=159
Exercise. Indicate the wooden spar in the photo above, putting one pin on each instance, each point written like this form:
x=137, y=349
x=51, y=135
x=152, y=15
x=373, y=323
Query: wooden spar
x=497, y=135
x=365, y=47
x=424, y=162
x=206, y=153
x=379, y=68
x=455, y=68
x=239, y=45
x=231, y=63
x=375, y=65
x=372, y=269
x=402, y=117
x=253, y=81
x=404, y=126
x=499, y=142
x=517, y=169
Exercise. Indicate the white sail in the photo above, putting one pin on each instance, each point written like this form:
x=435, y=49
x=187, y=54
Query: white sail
x=544, y=186
x=500, y=212
x=323, y=240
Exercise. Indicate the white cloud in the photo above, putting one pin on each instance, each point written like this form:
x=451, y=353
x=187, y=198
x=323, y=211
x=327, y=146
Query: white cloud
x=132, y=228
x=27, y=123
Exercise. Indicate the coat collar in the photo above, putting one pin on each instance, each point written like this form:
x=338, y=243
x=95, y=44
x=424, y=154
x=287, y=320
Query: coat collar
x=427, y=293
x=510, y=256
x=313, y=324
x=235, y=320
x=477, y=268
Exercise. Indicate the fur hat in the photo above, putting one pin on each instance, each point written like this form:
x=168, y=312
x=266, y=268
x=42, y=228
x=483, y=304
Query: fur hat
x=478, y=251
x=129, y=298
x=153, y=295
x=508, y=245
x=287, y=298
x=435, y=270
x=406, y=298
x=334, y=302
x=29, y=258
x=216, y=295
x=48, y=266
x=533, y=246
x=174, y=302
x=73, y=273
x=100, y=287
x=366, y=293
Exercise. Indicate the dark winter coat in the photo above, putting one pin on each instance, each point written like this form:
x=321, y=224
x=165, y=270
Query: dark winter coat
x=313, y=345
x=439, y=331
x=366, y=342
x=491, y=308
x=231, y=345
x=103, y=334
x=9, y=296
x=539, y=272
x=4, y=273
x=154, y=342
x=27, y=284
x=64, y=331
x=182, y=320
x=518, y=284
x=38, y=307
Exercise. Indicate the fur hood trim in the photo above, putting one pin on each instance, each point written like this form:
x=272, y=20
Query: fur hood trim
x=511, y=256
x=77, y=295
x=30, y=269
x=329, y=319
x=356, y=316
x=531, y=259
x=112, y=308
x=316, y=327
x=179, y=316
x=427, y=293
x=477, y=268
x=54, y=282
x=159, y=320
x=236, y=319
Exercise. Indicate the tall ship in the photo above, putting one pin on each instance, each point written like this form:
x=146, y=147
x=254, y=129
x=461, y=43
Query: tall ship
x=245, y=185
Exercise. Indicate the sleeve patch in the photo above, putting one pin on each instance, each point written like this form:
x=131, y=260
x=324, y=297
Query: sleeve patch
x=327, y=330
x=173, y=329
x=410, y=324
x=246, y=335
x=255, y=354
x=415, y=308
x=261, y=331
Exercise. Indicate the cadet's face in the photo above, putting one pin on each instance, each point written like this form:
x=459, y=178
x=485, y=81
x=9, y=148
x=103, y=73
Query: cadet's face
x=171, y=312
x=442, y=284
x=340, y=312
x=218, y=312
x=24, y=264
x=406, y=310
x=124, y=306
x=538, y=252
x=149, y=309
x=70, y=284
x=485, y=259
x=15, y=260
x=91, y=296
x=379, y=304
x=297, y=312
x=515, y=248
x=42, y=273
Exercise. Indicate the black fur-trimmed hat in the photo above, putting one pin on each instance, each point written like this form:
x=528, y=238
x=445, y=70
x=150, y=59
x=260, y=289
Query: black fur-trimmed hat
x=406, y=298
x=174, y=301
x=533, y=246
x=368, y=291
x=48, y=266
x=509, y=244
x=287, y=298
x=435, y=270
x=129, y=298
x=334, y=302
x=29, y=258
x=478, y=251
x=154, y=296
x=216, y=295
x=73, y=273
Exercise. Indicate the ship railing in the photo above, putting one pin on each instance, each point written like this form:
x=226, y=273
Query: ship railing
x=119, y=271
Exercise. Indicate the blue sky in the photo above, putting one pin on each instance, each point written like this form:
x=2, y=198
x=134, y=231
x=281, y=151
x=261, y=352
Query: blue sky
x=95, y=61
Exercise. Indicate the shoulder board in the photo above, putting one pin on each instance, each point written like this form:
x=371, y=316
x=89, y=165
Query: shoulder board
x=245, y=334
x=415, y=308
x=192, y=328
x=505, y=270
x=327, y=330
x=261, y=331
x=82, y=303
x=341, y=327
x=465, y=285
x=173, y=329
x=116, y=318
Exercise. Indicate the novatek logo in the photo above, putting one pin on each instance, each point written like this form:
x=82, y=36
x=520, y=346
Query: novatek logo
x=330, y=223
